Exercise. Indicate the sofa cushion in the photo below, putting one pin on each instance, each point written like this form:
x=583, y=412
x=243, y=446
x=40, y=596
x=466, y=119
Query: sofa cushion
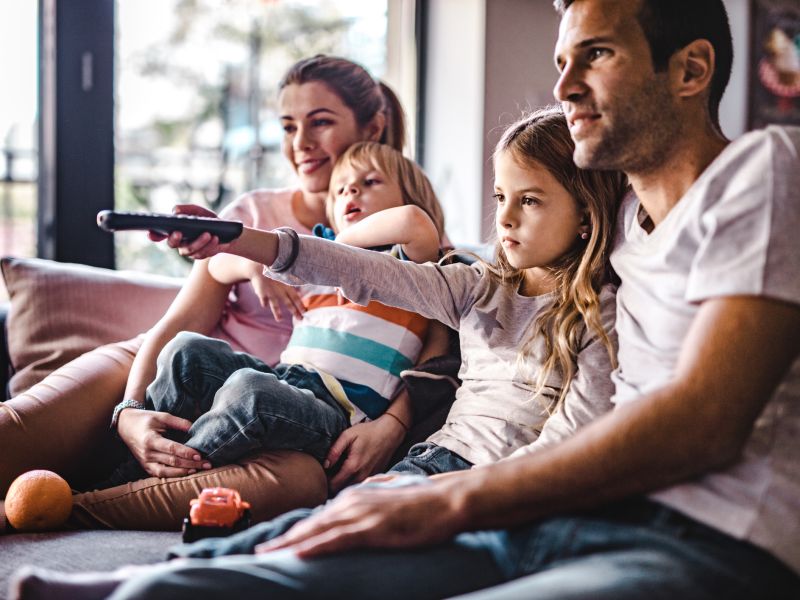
x=58, y=311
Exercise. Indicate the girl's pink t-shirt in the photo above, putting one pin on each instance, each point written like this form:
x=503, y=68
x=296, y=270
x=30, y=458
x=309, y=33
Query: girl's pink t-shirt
x=245, y=324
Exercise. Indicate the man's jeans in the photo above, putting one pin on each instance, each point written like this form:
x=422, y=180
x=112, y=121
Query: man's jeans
x=239, y=404
x=632, y=550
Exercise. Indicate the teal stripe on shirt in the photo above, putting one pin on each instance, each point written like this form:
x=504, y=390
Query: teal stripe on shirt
x=369, y=351
x=364, y=397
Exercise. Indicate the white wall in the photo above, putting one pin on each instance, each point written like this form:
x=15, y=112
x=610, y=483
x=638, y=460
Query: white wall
x=488, y=60
x=520, y=75
x=733, y=108
x=454, y=112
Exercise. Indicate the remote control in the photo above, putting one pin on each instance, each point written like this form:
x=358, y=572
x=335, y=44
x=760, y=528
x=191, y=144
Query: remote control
x=190, y=226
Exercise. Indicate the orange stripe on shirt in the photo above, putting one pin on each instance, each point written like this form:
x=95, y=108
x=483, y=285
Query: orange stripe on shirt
x=415, y=323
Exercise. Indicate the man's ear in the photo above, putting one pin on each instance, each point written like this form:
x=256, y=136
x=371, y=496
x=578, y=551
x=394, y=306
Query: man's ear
x=693, y=67
x=374, y=129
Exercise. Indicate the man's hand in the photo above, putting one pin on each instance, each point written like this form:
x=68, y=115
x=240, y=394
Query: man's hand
x=141, y=431
x=364, y=517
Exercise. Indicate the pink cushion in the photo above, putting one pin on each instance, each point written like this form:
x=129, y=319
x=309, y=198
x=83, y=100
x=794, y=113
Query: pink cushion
x=59, y=311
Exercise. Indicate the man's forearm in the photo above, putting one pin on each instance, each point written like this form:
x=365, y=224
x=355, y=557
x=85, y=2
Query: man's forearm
x=698, y=423
x=637, y=448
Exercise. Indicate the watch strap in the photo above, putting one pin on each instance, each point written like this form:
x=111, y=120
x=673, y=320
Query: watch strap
x=128, y=403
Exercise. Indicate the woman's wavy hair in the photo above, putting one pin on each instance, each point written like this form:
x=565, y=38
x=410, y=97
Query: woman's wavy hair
x=542, y=138
x=408, y=175
x=357, y=89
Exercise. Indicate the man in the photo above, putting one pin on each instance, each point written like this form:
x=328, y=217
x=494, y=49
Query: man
x=690, y=488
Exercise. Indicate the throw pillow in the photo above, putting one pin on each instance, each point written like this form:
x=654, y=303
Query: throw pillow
x=59, y=311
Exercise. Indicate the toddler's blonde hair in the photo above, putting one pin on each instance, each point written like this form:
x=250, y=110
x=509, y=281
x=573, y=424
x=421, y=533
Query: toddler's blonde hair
x=409, y=176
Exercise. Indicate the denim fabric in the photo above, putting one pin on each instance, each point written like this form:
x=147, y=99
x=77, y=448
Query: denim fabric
x=426, y=458
x=438, y=572
x=231, y=571
x=239, y=404
x=631, y=550
x=243, y=542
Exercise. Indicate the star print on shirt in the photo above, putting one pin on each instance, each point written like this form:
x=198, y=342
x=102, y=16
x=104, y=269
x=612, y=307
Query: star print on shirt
x=488, y=322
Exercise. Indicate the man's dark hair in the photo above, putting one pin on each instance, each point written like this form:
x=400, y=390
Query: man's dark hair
x=670, y=25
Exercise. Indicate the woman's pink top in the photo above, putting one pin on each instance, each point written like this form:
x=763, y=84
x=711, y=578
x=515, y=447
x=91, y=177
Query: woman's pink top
x=245, y=324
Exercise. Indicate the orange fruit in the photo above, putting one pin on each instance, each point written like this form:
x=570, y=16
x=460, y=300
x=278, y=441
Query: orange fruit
x=37, y=501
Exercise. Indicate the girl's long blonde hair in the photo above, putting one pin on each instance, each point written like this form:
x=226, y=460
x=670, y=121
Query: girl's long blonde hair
x=409, y=176
x=543, y=137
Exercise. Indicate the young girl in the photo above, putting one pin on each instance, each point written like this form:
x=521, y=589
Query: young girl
x=536, y=328
x=342, y=364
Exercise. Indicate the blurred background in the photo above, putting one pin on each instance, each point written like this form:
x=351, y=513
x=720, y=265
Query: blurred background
x=194, y=95
x=142, y=104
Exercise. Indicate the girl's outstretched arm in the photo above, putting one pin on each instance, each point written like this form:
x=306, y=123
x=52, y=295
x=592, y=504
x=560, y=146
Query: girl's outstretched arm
x=437, y=292
x=407, y=225
x=440, y=292
x=255, y=244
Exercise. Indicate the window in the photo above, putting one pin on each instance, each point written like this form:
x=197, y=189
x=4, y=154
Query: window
x=196, y=98
x=18, y=127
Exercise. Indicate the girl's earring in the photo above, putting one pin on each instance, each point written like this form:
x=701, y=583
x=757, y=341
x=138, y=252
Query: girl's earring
x=585, y=235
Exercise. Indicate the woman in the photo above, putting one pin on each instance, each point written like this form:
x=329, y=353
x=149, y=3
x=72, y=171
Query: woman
x=326, y=104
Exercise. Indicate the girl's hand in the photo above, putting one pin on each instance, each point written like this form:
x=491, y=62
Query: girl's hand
x=273, y=294
x=368, y=447
x=141, y=431
x=203, y=246
x=363, y=517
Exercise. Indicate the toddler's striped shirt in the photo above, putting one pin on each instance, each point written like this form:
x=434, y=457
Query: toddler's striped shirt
x=359, y=351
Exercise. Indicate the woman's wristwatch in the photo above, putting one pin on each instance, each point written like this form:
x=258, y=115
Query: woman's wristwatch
x=129, y=403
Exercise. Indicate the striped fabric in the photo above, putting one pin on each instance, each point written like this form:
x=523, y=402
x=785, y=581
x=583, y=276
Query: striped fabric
x=363, y=347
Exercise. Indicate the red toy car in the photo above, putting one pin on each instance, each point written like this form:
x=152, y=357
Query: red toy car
x=216, y=512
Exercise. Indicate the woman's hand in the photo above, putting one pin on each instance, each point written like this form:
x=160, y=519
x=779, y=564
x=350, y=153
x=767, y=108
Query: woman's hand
x=367, y=446
x=141, y=431
x=274, y=294
x=363, y=517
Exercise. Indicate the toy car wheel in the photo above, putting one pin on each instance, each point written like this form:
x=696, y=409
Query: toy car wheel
x=243, y=522
x=189, y=532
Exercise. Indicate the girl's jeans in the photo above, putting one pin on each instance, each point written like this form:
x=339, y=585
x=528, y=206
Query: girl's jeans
x=427, y=458
x=239, y=404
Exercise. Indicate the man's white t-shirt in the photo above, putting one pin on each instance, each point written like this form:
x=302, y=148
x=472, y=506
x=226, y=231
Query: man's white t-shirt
x=736, y=232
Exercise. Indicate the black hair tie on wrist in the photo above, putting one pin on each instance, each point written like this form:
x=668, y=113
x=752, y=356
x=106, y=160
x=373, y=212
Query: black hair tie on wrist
x=295, y=249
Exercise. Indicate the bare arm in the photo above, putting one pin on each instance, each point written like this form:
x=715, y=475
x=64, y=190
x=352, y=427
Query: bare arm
x=197, y=307
x=254, y=244
x=230, y=269
x=407, y=225
x=710, y=407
